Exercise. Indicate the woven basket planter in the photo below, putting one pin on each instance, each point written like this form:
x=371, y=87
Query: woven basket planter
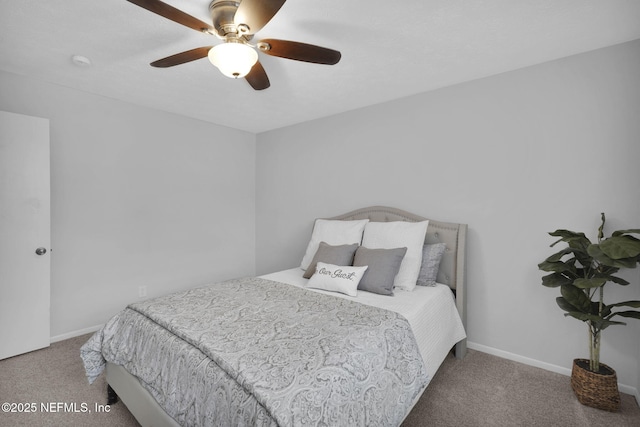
x=595, y=389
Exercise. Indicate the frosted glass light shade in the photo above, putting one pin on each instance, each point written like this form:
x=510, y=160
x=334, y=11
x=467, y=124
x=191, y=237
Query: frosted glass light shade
x=233, y=59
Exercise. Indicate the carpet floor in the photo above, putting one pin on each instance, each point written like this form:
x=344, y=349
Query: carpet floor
x=480, y=390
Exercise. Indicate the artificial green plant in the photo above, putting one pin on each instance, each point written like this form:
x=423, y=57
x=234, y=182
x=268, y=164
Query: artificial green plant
x=582, y=269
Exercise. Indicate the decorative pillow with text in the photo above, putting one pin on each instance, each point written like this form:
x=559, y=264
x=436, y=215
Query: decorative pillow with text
x=337, y=278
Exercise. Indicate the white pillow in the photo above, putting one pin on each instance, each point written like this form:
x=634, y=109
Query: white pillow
x=336, y=278
x=334, y=233
x=399, y=234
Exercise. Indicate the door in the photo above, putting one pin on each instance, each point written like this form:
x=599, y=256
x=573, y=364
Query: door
x=24, y=234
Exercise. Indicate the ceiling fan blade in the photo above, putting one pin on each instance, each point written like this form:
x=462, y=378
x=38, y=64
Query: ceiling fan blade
x=299, y=51
x=257, y=77
x=182, y=57
x=255, y=14
x=173, y=14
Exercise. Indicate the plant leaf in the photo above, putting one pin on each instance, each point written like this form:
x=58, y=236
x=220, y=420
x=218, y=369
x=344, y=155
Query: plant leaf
x=601, y=257
x=563, y=304
x=574, y=239
x=604, y=324
x=597, y=321
x=628, y=313
x=594, y=282
x=558, y=255
x=566, y=234
x=620, y=247
x=558, y=266
x=629, y=231
x=576, y=297
x=618, y=280
x=585, y=317
x=554, y=280
x=633, y=303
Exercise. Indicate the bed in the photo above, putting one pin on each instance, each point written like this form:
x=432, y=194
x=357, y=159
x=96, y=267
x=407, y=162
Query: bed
x=289, y=354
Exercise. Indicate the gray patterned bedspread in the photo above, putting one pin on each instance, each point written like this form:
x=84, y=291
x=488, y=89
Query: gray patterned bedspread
x=256, y=352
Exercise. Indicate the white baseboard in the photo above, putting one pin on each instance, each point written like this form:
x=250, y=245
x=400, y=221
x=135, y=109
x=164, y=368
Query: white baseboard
x=624, y=388
x=74, y=334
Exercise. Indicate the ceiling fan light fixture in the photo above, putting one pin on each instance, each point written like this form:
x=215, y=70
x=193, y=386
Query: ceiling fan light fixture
x=233, y=59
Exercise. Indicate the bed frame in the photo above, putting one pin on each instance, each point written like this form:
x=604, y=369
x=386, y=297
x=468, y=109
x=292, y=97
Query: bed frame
x=452, y=273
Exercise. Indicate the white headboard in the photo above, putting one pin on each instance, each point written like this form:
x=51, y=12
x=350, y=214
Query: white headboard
x=452, y=266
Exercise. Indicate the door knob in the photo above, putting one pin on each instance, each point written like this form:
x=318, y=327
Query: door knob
x=41, y=251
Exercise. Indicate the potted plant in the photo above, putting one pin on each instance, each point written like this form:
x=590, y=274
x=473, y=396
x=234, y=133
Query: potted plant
x=581, y=270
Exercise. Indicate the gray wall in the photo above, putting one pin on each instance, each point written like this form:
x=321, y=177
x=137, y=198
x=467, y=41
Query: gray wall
x=515, y=156
x=139, y=197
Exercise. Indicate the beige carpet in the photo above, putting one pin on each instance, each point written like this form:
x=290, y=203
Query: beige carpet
x=481, y=390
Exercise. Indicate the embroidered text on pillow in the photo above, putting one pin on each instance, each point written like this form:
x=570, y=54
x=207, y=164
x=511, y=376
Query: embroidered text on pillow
x=337, y=274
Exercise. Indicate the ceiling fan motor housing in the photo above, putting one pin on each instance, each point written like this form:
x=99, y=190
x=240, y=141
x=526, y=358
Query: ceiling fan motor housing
x=222, y=17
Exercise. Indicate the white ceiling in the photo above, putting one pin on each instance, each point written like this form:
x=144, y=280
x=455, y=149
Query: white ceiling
x=390, y=49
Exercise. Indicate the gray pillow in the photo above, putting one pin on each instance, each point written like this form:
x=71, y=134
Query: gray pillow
x=336, y=255
x=431, y=256
x=384, y=265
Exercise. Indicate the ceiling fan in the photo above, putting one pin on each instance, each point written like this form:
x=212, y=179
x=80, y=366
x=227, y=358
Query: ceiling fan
x=235, y=22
